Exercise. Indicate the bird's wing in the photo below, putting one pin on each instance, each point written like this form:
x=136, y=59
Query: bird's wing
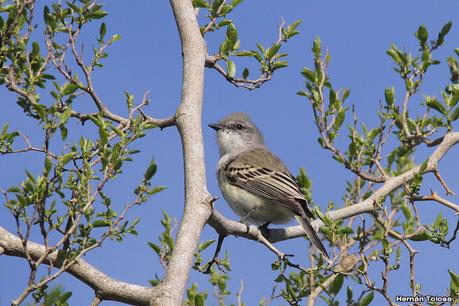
x=272, y=181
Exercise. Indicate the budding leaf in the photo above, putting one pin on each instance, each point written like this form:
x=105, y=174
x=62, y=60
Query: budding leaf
x=151, y=170
x=231, y=68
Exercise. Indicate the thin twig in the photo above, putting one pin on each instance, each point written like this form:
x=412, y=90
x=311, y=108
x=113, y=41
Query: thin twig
x=442, y=182
x=435, y=197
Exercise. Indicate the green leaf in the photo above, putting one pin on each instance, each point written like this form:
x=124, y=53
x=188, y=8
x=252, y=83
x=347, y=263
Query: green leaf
x=309, y=74
x=129, y=99
x=291, y=29
x=103, y=135
x=223, y=49
x=337, y=284
x=422, y=34
x=224, y=23
x=35, y=49
x=392, y=52
x=63, y=117
x=261, y=48
x=206, y=244
x=245, y=73
x=389, y=94
x=345, y=230
x=215, y=5
x=115, y=37
x=155, y=247
x=156, y=189
x=225, y=9
x=97, y=14
x=346, y=93
x=278, y=65
x=64, y=132
x=65, y=296
x=100, y=223
x=46, y=15
x=73, y=6
x=231, y=35
x=455, y=114
x=316, y=47
x=48, y=165
x=69, y=88
x=279, y=278
x=444, y=31
x=41, y=110
x=436, y=105
x=13, y=189
x=244, y=53
x=339, y=119
x=349, y=294
x=272, y=51
x=67, y=157
x=366, y=299
x=237, y=45
x=421, y=236
x=235, y=3
x=454, y=278
x=231, y=68
x=199, y=300
x=302, y=93
x=102, y=30
x=200, y=3
x=151, y=171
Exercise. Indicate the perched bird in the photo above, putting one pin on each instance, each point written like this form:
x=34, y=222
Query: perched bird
x=256, y=184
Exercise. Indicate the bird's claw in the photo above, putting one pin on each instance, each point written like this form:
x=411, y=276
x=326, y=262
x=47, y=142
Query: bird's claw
x=265, y=230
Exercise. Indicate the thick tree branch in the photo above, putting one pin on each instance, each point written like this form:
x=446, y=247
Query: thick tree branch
x=197, y=199
x=106, y=287
x=225, y=226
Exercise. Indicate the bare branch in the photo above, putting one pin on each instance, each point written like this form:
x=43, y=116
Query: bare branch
x=211, y=62
x=107, y=288
x=435, y=197
x=224, y=225
x=442, y=181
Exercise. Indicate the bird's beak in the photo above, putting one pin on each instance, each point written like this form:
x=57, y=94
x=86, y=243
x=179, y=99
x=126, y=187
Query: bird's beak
x=216, y=126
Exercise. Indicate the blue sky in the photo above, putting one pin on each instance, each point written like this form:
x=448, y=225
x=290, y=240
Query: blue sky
x=148, y=57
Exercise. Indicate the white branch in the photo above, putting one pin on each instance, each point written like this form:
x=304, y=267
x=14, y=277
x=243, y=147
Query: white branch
x=107, y=288
x=188, y=115
x=229, y=227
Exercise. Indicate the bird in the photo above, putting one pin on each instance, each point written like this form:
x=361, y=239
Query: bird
x=255, y=183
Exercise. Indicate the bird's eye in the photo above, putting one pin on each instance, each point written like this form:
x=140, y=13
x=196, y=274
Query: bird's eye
x=239, y=126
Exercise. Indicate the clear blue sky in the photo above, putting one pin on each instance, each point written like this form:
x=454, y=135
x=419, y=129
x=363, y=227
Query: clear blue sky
x=357, y=33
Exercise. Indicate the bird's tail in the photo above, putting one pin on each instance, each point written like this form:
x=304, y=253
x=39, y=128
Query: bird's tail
x=312, y=236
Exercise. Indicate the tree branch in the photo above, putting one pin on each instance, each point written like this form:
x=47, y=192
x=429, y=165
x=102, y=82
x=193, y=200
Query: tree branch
x=435, y=197
x=197, y=199
x=107, y=288
x=225, y=226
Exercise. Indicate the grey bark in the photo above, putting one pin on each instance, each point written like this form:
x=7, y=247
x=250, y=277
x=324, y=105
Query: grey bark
x=106, y=287
x=197, y=199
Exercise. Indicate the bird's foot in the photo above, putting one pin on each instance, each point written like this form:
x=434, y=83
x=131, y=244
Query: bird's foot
x=265, y=230
x=284, y=256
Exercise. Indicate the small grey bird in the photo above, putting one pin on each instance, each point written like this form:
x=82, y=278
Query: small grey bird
x=256, y=184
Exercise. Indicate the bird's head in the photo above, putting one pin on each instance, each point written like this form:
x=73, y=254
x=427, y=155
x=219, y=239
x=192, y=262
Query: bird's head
x=237, y=133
